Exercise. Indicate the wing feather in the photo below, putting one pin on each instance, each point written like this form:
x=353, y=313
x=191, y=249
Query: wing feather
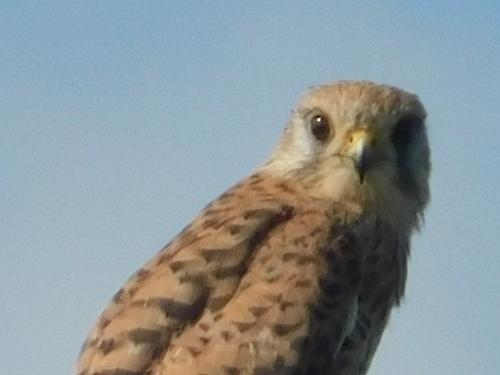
x=258, y=281
x=199, y=270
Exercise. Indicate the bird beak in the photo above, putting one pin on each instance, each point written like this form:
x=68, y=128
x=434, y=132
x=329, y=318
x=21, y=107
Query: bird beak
x=359, y=147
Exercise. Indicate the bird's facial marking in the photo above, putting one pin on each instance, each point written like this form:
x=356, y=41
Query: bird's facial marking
x=406, y=135
x=405, y=129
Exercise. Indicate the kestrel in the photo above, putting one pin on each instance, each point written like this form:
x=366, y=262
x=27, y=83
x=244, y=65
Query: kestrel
x=295, y=269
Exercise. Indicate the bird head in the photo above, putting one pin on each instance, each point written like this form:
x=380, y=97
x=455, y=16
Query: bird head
x=360, y=142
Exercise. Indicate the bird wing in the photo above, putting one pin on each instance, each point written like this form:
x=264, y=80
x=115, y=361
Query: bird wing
x=247, y=287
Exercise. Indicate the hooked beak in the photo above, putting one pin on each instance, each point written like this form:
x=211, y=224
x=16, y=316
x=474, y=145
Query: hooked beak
x=360, y=148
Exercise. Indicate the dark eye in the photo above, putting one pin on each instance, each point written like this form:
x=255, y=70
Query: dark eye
x=405, y=131
x=320, y=127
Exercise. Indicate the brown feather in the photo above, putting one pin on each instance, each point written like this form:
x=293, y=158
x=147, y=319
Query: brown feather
x=292, y=271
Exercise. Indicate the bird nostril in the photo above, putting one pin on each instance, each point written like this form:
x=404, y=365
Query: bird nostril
x=351, y=139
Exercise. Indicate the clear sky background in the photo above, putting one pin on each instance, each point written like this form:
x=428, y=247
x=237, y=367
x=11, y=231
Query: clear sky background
x=119, y=120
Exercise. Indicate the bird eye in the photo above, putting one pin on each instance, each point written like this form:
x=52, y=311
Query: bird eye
x=405, y=131
x=320, y=128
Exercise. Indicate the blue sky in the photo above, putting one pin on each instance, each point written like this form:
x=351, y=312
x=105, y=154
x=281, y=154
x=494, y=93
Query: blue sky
x=119, y=120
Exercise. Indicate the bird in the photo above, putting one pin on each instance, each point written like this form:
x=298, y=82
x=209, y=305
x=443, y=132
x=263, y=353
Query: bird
x=296, y=268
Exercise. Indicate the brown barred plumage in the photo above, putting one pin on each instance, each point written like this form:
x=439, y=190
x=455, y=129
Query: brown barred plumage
x=292, y=271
